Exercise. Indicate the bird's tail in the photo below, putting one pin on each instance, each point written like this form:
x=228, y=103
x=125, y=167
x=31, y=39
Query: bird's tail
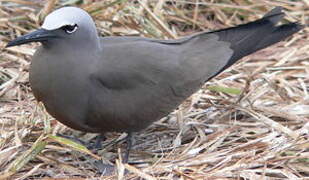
x=249, y=38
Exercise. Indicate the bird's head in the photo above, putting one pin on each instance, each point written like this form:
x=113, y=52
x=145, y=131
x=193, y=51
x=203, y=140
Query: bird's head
x=67, y=25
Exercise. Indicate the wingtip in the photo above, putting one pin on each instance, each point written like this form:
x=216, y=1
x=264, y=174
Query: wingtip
x=299, y=26
x=296, y=26
x=9, y=44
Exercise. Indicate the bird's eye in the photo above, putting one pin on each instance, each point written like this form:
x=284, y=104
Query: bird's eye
x=69, y=28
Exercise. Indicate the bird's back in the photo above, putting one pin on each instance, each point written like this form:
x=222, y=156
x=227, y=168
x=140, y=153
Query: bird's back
x=140, y=80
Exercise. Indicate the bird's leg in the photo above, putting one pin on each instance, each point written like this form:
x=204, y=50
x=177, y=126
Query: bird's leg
x=106, y=169
x=128, y=148
x=98, y=141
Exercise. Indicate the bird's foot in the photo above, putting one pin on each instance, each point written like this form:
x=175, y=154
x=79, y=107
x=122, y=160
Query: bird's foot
x=128, y=148
x=104, y=169
x=128, y=140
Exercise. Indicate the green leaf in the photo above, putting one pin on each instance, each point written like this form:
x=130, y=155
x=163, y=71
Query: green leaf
x=224, y=90
x=71, y=2
x=304, y=160
x=288, y=153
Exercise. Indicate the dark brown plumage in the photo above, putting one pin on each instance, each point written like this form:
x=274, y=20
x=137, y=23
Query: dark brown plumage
x=124, y=84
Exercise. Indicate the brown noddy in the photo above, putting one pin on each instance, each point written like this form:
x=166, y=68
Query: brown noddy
x=101, y=84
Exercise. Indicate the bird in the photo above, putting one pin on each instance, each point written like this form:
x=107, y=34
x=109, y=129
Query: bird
x=125, y=83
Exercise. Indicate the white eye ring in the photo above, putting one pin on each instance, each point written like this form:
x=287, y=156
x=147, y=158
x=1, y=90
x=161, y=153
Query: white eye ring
x=70, y=28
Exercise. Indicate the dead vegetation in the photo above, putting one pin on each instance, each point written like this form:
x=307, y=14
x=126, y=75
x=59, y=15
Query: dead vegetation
x=251, y=122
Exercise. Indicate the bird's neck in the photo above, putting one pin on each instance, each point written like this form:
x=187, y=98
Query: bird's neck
x=89, y=46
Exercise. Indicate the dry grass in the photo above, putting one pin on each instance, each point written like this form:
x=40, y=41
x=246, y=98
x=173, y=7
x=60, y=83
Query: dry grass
x=218, y=133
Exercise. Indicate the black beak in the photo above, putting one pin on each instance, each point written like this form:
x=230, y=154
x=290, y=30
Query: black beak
x=36, y=36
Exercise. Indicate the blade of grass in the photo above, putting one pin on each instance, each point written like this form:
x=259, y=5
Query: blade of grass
x=22, y=160
x=74, y=145
x=224, y=90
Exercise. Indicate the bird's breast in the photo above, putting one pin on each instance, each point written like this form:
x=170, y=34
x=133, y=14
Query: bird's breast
x=62, y=87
